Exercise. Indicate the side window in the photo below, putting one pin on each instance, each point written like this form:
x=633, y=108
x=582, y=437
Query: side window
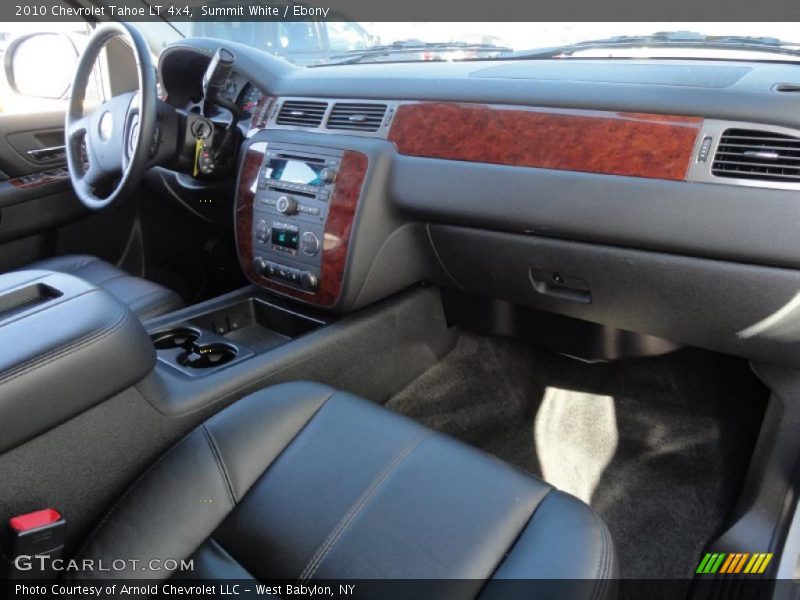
x=343, y=36
x=40, y=62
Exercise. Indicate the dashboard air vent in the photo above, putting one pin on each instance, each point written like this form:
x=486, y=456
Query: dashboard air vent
x=356, y=116
x=302, y=113
x=756, y=154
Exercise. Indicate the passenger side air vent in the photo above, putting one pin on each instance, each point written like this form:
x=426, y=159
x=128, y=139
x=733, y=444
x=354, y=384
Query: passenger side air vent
x=301, y=113
x=353, y=116
x=756, y=154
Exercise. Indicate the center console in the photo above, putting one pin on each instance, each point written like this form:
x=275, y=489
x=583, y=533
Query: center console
x=65, y=346
x=295, y=207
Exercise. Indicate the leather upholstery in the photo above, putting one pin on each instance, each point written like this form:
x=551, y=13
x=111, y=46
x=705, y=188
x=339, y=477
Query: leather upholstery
x=67, y=350
x=145, y=298
x=302, y=482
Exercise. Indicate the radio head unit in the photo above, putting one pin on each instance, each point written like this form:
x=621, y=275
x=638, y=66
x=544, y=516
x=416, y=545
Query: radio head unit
x=295, y=210
x=306, y=173
x=290, y=210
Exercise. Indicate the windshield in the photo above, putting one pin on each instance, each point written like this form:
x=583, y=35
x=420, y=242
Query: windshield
x=315, y=43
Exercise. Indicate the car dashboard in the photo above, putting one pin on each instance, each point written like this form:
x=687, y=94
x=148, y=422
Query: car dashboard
x=651, y=196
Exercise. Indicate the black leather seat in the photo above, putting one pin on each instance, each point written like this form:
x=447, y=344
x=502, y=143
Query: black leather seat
x=301, y=482
x=145, y=298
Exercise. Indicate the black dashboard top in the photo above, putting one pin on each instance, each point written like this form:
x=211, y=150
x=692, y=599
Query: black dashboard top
x=713, y=89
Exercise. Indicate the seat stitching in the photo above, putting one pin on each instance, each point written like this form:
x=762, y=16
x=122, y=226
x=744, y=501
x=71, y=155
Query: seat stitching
x=145, y=296
x=513, y=544
x=230, y=556
x=363, y=500
x=220, y=463
x=158, y=461
x=175, y=300
x=98, y=281
x=127, y=493
x=40, y=361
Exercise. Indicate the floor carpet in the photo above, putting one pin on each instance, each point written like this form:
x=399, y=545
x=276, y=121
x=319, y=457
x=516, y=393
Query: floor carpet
x=659, y=445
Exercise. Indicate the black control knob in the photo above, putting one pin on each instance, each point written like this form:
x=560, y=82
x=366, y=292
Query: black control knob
x=309, y=280
x=262, y=231
x=328, y=175
x=259, y=265
x=309, y=243
x=286, y=205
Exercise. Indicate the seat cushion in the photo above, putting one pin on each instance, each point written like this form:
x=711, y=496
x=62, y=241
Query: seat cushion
x=301, y=482
x=145, y=298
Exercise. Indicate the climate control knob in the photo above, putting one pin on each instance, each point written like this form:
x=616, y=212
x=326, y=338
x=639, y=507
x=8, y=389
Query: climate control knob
x=309, y=281
x=286, y=205
x=259, y=265
x=262, y=231
x=309, y=243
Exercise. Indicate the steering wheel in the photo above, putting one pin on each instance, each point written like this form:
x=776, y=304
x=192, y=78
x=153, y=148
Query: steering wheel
x=120, y=135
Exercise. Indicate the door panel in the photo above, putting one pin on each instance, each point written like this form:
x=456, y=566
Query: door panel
x=36, y=196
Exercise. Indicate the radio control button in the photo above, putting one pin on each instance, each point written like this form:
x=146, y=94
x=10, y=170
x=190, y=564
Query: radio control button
x=309, y=243
x=309, y=280
x=259, y=265
x=286, y=205
x=328, y=175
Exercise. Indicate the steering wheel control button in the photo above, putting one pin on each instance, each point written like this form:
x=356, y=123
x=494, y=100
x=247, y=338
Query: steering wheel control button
x=309, y=243
x=286, y=205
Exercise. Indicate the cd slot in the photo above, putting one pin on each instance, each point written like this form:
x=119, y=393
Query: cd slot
x=274, y=188
x=312, y=159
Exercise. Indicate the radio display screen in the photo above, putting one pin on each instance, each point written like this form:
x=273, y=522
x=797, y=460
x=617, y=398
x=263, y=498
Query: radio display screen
x=285, y=238
x=294, y=171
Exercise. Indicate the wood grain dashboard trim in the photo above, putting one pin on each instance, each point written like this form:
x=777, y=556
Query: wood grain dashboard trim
x=610, y=143
x=338, y=227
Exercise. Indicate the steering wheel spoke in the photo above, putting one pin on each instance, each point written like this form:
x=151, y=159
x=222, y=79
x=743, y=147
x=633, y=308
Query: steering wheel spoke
x=94, y=176
x=104, y=133
x=78, y=129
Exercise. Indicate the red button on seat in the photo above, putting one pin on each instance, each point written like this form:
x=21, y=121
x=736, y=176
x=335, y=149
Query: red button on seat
x=34, y=520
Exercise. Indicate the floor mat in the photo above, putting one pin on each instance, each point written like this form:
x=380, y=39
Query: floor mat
x=659, y=446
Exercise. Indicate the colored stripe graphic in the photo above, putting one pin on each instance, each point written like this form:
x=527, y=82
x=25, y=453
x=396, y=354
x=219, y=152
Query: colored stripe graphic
x=703, y=563
x=711, y=563
x=727, y=564
x=740, y=564
x=734, y=563
x=763, y=566
x=730, y=564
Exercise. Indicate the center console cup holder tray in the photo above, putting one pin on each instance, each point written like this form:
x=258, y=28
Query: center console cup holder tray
x=207, y=356
x=194, y=351
x=178, y=337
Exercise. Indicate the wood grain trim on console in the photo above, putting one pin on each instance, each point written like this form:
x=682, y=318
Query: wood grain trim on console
x=338, y=227
x=611, y=143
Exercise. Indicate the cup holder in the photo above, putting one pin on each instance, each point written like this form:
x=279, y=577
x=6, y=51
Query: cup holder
x=180, y=337
x=206, y=356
